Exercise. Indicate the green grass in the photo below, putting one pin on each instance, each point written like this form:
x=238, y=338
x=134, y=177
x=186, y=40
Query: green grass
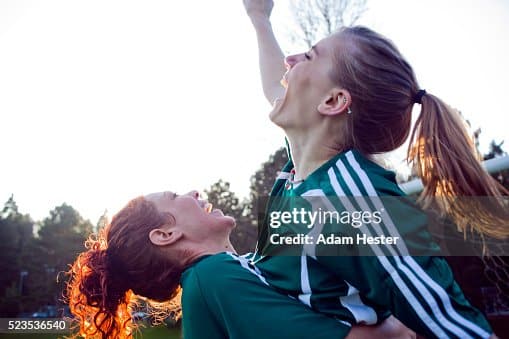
x=158, y=332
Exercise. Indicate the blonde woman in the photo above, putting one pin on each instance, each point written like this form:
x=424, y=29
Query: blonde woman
x=347, y=98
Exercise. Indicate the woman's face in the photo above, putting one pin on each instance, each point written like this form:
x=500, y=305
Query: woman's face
x=307, y=83
x=194, y=217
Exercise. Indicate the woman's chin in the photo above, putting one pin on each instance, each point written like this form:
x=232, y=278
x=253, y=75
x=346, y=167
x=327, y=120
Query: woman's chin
x=226, y=221
x=278, y=119
x=276, y=114
x=231, y=221
x=272, y=116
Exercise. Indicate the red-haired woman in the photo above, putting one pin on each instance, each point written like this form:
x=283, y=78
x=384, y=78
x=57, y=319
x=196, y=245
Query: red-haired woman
x=162, y=241
x=347, y=98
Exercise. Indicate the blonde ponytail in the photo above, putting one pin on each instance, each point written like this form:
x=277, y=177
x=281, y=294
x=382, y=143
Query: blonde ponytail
x=445, y=158
x=383, y=88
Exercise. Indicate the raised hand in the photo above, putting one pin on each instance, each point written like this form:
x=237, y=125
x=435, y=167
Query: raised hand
x=258, y=8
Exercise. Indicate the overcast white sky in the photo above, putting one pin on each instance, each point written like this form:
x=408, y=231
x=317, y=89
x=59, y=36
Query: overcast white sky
x=101, y=101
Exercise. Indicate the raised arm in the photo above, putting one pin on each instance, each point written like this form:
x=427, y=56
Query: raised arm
x=271, y=58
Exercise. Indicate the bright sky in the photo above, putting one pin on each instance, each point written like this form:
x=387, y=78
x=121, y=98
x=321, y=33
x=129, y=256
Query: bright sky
x=101, y=101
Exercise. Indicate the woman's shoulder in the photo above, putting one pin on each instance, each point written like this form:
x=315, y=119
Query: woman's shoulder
x=352, y=173
x=219, y=273
x=203, y=273
x=369, y=170
x=208, y=263
x=218, y=267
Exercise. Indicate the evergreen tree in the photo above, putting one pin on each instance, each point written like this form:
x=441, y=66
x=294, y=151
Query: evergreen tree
x=16, y=237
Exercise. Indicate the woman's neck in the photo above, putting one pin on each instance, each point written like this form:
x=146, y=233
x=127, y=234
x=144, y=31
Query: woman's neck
x=309, y=153
x=209, y=249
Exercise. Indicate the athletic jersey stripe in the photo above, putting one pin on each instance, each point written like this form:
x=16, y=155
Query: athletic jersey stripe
x=305, y=296
x=445, y=299
x=362, y=313
x=427, y=320
x=357, y=183
x=245, y=264
x=352, y=301
x=310, y=248
x=372, y=194
x=283, y=175
x=345, y=322
x=249, y=256
x=249, y=266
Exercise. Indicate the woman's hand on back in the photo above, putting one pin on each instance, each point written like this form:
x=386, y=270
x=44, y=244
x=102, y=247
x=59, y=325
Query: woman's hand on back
x=389, y=328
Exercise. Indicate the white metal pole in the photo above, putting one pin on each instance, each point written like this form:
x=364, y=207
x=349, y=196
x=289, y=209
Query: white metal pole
x=492, y=166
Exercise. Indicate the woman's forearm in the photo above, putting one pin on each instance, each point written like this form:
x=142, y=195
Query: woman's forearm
x=271, y=58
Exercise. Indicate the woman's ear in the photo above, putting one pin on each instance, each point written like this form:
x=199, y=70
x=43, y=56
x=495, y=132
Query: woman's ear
x=164, y=237
x=336, y=102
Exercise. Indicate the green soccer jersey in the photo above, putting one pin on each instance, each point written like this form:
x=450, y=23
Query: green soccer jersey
x=364, y=283
x=225, y=297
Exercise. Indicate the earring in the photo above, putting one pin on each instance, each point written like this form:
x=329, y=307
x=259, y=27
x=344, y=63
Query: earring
x=349, y=109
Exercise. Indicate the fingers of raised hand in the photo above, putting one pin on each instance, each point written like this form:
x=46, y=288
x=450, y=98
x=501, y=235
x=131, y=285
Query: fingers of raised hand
x=258, y=7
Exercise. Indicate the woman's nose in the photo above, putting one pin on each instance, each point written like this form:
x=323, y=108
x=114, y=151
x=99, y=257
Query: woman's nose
x=292, y=60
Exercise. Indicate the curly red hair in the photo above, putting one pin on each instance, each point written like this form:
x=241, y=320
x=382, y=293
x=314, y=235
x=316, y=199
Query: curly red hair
x=120, y=264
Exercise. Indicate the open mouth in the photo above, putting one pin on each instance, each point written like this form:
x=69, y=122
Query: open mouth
x=284, y=83
x=284, y=80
